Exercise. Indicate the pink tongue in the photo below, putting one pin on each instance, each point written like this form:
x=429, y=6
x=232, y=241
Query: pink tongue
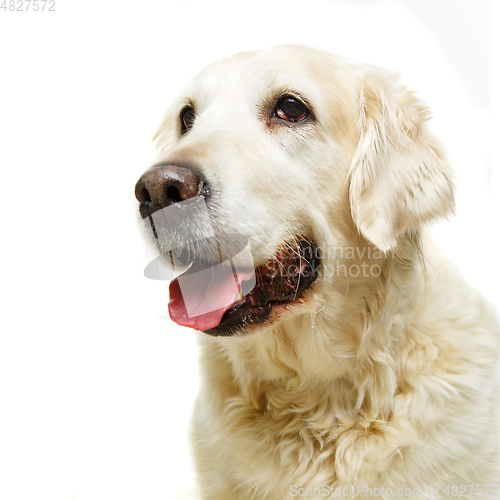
x=199, y=300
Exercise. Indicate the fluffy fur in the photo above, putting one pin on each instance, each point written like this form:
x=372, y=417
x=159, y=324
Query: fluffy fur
x=381, y=379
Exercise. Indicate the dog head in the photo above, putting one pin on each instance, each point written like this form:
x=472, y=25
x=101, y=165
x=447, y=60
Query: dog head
x=320, y=163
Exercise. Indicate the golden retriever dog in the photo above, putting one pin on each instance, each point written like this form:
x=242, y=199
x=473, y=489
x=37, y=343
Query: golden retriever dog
x=351, y=359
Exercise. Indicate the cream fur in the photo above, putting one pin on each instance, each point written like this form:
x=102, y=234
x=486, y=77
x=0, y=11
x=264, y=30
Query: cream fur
x=383, y=381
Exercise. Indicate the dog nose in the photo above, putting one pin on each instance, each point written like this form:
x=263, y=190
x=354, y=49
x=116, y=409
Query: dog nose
x=164, y=185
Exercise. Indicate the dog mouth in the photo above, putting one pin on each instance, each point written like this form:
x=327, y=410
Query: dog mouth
x=232, y=299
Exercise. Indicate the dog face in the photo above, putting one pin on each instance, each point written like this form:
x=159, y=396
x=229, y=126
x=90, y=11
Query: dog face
x=317, y=161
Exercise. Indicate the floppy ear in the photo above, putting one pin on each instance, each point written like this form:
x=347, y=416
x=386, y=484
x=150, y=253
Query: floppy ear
x=399, y=178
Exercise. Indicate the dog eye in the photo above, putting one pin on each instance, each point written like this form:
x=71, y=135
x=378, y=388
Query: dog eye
x=187, y=119
x=291, y=109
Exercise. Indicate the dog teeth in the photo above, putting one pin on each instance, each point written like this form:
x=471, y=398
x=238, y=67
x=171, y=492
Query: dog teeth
x=240, y=295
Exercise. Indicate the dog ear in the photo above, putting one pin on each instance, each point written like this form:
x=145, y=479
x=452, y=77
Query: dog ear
x=399, y=178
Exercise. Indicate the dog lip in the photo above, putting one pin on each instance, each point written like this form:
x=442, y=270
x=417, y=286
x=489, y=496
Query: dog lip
x=237, y=319
x=297, y=269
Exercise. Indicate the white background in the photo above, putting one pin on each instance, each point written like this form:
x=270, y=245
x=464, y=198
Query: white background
x=96, y=383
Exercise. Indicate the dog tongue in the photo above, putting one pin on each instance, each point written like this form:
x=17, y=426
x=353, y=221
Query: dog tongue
x=209, y=296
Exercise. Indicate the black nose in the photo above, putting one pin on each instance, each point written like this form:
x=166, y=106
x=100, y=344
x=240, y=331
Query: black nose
x=164, y=185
